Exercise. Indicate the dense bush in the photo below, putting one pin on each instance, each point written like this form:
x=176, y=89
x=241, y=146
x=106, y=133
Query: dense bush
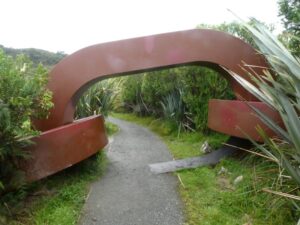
x=175, y=111
x=130, y=95
x=199, y=85
x=22, y=96
x=154, y=93
x=157, y=85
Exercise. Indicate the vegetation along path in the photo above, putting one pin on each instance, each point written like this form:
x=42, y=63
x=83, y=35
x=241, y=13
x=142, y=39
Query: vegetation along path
x=129, y=193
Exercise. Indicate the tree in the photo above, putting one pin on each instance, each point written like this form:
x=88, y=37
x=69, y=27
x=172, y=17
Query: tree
x=290, y=11
x=37, y=56
x=236, y=29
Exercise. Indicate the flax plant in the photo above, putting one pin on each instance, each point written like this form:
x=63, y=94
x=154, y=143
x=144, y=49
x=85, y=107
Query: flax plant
x=278, y=87
x=98, y=99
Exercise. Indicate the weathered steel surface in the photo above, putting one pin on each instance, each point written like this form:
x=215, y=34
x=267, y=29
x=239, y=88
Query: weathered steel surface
x=236, y=118
x=64, y=146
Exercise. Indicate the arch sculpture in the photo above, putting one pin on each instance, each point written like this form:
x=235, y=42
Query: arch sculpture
x=65, y=142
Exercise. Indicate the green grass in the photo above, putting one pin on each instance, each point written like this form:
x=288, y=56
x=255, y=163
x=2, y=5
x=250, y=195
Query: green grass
x=58, y=199
x=69, y=189
x=213, y=199
x=111, y=128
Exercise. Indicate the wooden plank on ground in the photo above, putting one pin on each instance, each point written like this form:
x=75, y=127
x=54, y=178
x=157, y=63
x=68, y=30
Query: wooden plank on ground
x=175, y=165
x=209, y=159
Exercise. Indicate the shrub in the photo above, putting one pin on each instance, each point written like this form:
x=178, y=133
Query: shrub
x=145, y=93
x=156, y=85
x=23, y=96
x=199, y=84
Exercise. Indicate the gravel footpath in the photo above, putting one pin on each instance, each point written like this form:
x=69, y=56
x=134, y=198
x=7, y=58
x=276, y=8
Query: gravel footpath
x=128, y=193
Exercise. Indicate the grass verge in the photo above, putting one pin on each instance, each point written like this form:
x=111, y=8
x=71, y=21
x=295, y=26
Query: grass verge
x=209, y=193
x=58, y=199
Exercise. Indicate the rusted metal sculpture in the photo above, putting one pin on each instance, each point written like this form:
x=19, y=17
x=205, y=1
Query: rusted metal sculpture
x=65, y=142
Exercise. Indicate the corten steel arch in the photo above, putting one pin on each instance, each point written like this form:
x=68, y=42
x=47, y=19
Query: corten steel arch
x=65, y=142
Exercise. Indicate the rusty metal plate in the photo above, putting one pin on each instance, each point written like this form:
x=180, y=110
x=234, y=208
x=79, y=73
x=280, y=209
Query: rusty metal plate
x=236, y=118
x=64, y=146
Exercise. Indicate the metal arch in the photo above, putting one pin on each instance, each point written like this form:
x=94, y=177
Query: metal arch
x=65, y=142
x=74, y=74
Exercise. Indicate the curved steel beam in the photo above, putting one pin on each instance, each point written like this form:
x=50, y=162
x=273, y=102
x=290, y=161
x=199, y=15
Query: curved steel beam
x=74, y=74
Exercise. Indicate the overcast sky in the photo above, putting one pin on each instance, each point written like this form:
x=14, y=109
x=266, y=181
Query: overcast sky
x=69, y=25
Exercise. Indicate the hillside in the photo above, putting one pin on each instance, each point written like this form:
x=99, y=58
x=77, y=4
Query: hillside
x=37, y=56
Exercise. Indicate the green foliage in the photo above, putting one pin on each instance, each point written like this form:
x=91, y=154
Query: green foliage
x=280, y=90
x=37, y=56
x=155, y=93
x=174, y=110
x=23, y=96
x=130, y=94
x=290, y=11
x=200, y=84
x=156, y=85
x=97, y=99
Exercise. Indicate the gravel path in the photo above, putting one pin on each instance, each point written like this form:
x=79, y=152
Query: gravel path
x=128, y=193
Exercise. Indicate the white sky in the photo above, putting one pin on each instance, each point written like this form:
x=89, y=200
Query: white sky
x=69, y=25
